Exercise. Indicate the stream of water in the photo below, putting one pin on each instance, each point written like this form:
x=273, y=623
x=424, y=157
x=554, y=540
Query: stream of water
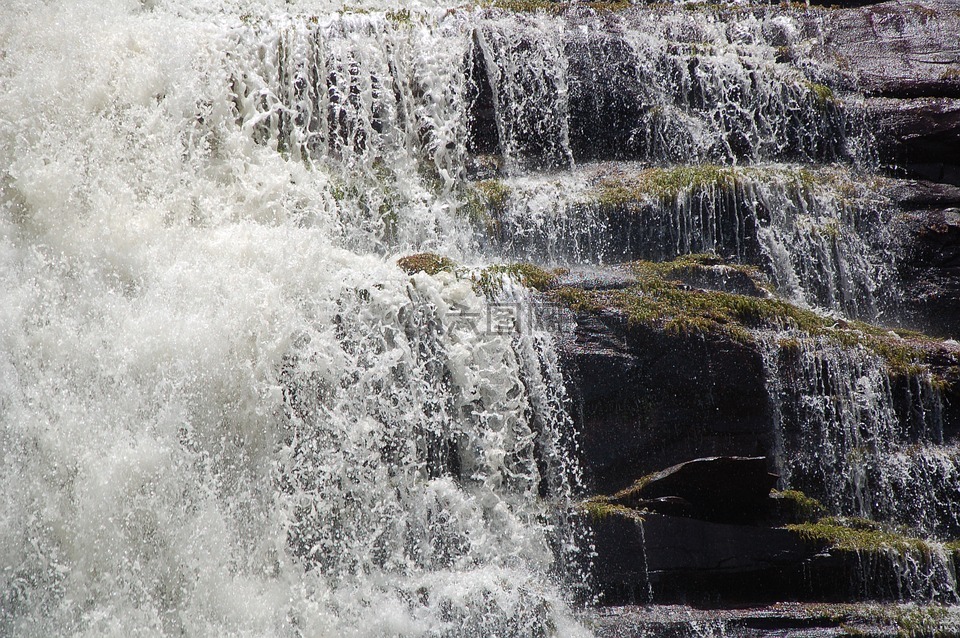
x=225, y=410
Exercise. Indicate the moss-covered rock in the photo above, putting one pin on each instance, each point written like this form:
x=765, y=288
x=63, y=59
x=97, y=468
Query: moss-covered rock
x=854, y=534
x=429, y=263
x=663, y=183
x=794, y=507
x=658, y=300
x=490, y=280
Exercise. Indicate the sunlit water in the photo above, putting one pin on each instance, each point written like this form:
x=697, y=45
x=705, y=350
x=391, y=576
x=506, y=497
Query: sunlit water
x=225, y=409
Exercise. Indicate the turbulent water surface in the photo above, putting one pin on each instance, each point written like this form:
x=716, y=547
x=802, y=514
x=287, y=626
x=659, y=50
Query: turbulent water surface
x=226, y=411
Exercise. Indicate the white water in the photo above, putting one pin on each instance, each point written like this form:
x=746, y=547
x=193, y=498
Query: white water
x=225, y=411
x=821, y=235
x=864, y=443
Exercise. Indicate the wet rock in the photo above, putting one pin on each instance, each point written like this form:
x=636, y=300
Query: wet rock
x=650, y=398
x=897, y=53
x=734, y=279
x=921, y=136
x=605, y=107
x=677, y=559
x=720, y=489
x=644, y=557
x=930, y=270
x=895, y=49
x=795, y=620
x=923, y=194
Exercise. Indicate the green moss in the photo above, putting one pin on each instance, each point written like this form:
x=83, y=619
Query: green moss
x=528, y=6
x=872, y=619
x=822, y=94
x=668, y=183
x=490, y=280
x=659, y=302
x=534, y=276
x=495, y=193
x=859, y=535
x=693, y=265
x=600, y=509
x=632, y=492
x=577, y=299
x=789, y=345
x=804, y=508
x=485, y=202
x=399, y=16
x=922, y=621
x=663, y=183
x=429, y=263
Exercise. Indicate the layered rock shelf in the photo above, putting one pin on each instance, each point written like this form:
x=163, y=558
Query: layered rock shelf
x=769, y=305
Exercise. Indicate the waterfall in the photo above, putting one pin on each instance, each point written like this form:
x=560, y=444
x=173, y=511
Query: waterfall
x=672, y=89
x=225, y=409
x=865, y=441
x=822, y=237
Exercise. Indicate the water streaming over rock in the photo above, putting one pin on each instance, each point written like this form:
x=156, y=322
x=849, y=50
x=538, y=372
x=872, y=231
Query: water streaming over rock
x=865, y=440
x=821, y=237
x=225, y=409
x=653, y=85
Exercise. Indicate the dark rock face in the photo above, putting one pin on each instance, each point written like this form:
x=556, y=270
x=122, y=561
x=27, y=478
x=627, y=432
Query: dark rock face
x=606, y=106
x=650, y=399
x=677, y=559
x=929, y=255
x=720, y=489
x=904, y=55
x=933, y=271
x=920, y=135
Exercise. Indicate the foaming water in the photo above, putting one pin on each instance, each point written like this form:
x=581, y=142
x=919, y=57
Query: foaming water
x=225, y=410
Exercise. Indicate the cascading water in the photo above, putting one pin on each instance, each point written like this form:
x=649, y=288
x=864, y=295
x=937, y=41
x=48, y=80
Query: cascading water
x=671, y=89
x=822, y=239
x=225, y=410
x=867, y=443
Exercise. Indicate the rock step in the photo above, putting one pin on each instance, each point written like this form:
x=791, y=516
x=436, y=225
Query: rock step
x=663, y=372
x=728, y=546
x=782, y=620
x=863, y=245
x=723, y=84
x=644, y=558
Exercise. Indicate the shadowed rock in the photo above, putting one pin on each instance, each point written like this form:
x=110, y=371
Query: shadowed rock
x=721, y=489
